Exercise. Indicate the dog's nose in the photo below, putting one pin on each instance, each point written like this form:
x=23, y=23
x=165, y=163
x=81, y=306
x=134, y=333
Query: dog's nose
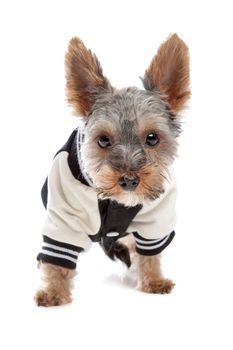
x=128, y=182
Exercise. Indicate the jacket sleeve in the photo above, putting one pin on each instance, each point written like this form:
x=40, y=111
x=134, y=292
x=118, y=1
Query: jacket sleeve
x=152, y=246
x=68, y=222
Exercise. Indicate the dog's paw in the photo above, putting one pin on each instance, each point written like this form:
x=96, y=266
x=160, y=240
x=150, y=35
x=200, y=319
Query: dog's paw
x=48, y=298
x=163, y=286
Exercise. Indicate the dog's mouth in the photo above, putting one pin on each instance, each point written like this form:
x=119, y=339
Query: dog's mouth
x=129, y=188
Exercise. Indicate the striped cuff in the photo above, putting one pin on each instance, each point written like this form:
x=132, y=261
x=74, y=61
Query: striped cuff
x=59, y=253
x=152, y=246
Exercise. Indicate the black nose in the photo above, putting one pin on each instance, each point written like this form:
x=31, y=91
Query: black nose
x=128, y=182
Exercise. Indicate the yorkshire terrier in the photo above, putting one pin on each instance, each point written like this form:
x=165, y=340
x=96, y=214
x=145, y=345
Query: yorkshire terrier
x=112, y=182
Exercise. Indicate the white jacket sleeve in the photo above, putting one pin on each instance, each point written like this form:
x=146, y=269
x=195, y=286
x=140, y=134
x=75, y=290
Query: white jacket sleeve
x=69, y=223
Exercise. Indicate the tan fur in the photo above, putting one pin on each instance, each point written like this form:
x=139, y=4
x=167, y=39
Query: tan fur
x=129, y=241
x=151, y=279
x=169, y=71
x=83, y=73
x=150, y=186
x=58, y=285
x=150, y=276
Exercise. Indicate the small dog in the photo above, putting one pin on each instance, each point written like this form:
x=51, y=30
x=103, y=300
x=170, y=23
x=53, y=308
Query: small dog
x=112, y=182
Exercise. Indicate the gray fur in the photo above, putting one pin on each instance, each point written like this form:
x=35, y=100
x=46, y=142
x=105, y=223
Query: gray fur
x=131, y=104
x=124, y=113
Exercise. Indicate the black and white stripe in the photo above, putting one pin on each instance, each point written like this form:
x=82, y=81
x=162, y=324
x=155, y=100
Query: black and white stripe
x=59, y=253
x=80, y=140
x=152, y=246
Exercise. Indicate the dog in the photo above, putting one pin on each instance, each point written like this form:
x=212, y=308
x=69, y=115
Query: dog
x=113, y=182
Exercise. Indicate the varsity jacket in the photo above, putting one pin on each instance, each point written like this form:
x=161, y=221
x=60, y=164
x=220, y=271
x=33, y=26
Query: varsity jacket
x=76, y=217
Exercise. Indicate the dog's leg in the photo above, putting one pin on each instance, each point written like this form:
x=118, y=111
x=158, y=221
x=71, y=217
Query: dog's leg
x=57, y=285
x=148, y=268
x=151, y=279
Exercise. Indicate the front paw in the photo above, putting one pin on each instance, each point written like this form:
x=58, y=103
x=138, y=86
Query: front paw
x=162, y=286
x=51, y=298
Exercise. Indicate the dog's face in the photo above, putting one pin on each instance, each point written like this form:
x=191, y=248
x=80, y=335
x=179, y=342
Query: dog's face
x=130, y=135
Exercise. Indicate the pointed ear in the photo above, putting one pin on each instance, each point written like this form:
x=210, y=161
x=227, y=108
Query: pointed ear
x=84, y=77
x=169, y=72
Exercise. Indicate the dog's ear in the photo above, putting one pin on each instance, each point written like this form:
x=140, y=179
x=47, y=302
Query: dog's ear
x=169, y=72
x=84, y=77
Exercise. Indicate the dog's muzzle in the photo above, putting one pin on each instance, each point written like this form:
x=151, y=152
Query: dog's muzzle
x=128, y=182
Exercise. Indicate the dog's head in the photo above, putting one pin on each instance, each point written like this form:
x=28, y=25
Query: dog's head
x=130, y=135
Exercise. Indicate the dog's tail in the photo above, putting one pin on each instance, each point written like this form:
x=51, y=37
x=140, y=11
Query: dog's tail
x=116, y=250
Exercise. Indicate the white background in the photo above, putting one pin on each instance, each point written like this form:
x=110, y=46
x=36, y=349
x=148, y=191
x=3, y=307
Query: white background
x=35, y=122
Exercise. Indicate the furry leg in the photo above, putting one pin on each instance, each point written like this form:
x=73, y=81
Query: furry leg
x=148, y=268
x=57, y=285
x=151, y=279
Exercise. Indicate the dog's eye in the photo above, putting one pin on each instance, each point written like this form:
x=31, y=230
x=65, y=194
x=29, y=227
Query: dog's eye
x=152, y=139
x=104, y=141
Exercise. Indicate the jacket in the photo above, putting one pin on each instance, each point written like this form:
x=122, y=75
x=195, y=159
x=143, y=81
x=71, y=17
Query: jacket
x=76, y=217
